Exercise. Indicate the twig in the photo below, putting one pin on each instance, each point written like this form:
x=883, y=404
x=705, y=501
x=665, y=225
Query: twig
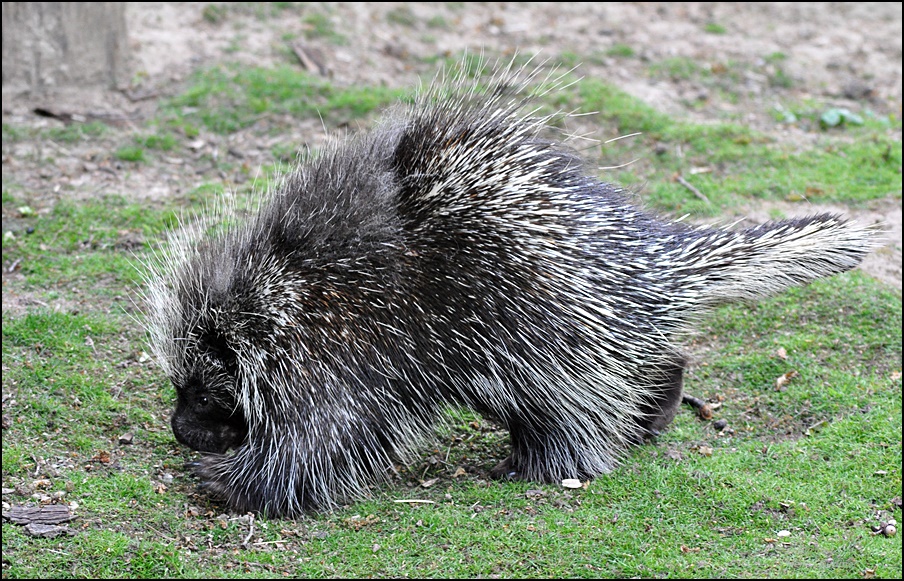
x=694, y=190
x=60, y=148
x=307, y=61
x=250, y=532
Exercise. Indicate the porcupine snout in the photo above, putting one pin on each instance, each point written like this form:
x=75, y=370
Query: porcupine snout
x=206, y=433
x=207, y=417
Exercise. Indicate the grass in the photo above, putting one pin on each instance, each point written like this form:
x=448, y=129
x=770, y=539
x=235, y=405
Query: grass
x=740, y=165
x=226, y=99
x=820, y=458
x=78, y=131
x=714, y=28
x=130, y=153
x=620, y=50
x=402, y=16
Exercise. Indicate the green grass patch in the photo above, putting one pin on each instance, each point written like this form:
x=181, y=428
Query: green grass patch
x=77, y=132
x=214, y=13
x=162, y=142
x=438, y=22
x=620, y=51
x=739, y=164
x=781, y=79
x=819, y=458
x=11, y=133
x=226, y=99
x=320, y=25
x=130, y=153
x=403, y=16
x=218, y=14
x=77, y=245
x=677, y=68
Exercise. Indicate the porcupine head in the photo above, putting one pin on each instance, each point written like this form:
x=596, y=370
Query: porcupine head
x=450, y=256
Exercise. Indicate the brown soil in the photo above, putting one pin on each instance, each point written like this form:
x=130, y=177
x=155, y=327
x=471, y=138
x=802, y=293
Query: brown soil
x=836, y=54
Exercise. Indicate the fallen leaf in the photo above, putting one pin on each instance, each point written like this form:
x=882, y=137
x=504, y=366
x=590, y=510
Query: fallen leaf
x=783, y=379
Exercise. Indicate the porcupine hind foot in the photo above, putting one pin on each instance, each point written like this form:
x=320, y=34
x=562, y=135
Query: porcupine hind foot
x=659, y=412
x=543, y=455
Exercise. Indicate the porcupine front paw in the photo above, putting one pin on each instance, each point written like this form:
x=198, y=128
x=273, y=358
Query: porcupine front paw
x=208, y=471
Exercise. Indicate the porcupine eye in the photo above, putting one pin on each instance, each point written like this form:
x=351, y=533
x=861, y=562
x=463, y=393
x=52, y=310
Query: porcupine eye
x=216, y=395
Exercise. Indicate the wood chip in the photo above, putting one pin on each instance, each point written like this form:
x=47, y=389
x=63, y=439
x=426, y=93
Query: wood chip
x=50, y=514
x=46, y=531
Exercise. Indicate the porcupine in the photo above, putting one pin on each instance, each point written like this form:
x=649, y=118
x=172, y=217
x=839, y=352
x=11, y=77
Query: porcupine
x=449, y=257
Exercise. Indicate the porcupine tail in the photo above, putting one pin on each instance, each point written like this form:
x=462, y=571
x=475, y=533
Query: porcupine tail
x=718, y=266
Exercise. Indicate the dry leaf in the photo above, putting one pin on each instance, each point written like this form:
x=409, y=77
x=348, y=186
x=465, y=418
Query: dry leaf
x=783, y=379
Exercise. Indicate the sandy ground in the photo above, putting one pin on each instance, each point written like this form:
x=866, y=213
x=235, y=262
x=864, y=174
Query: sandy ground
x=838, y=54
